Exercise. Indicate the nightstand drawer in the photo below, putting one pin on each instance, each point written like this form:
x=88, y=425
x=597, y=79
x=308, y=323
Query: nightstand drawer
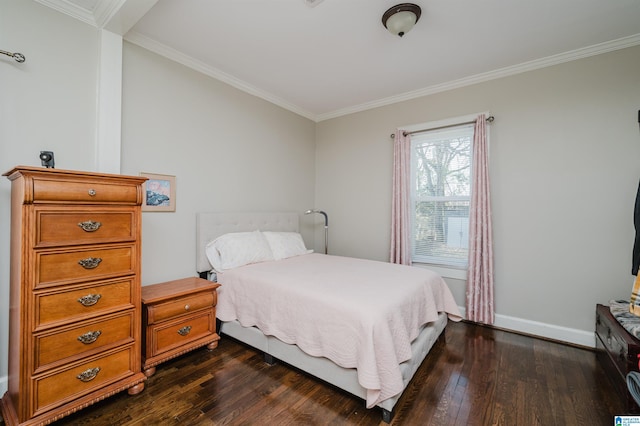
x=82, y=379
x=83, y=226
x=180, y=306
x=69, y=305
x=172, y=334
x=89, y=337
x=58, y=267
x=623, y=349
x=613, y=344
x=618, y=352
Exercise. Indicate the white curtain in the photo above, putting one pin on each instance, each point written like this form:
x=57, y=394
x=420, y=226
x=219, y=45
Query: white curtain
x=401, y=200
x=479, y=297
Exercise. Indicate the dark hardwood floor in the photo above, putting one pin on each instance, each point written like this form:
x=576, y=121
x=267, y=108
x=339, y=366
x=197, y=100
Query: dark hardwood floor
x=478, y=376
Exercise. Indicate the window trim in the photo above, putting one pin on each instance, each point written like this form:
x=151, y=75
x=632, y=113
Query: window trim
x=450, y=271
x=445, y=271
x=431, y=125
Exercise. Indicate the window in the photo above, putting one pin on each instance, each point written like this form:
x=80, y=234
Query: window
x=441, y=195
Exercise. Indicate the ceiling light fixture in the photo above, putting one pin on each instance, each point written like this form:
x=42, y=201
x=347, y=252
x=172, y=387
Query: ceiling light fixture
x=401, y=18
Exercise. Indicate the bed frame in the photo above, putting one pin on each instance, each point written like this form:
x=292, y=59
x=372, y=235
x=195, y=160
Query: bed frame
x=211, y=225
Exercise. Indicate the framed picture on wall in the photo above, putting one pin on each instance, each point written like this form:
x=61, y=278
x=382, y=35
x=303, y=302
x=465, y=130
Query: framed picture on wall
x=160, y=193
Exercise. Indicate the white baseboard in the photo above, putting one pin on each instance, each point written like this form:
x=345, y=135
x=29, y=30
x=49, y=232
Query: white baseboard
x=541, y=329
x=3, y=385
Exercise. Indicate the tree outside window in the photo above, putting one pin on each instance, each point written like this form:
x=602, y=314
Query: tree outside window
x=441, y=195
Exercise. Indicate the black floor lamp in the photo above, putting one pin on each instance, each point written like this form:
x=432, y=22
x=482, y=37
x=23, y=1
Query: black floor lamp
x=326, y=228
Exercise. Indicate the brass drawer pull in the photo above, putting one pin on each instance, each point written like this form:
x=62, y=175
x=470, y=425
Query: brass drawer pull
x=90, y=226
x=187, y=307
x=90, y=262
x=92, y=192
x=88, y=375
x=89, y=337
x=184, y=330
x=89, y=299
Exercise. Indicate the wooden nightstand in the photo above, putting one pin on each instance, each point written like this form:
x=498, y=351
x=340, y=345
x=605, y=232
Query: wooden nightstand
x=177, y=317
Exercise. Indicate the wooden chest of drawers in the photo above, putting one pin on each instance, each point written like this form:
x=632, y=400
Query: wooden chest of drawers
x=178, y=316
x=74, y=333
x=618, y=352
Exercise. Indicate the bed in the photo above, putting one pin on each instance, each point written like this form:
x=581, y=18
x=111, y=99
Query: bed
x=338, y=338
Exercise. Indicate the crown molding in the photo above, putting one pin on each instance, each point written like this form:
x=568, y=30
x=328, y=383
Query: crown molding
x=117, y=16
x=70, y=9
x=105, y=9
x=188, y=61
x=573, y=55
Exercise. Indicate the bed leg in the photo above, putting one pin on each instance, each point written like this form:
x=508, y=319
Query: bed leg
x=268, y=358
x=387, y=415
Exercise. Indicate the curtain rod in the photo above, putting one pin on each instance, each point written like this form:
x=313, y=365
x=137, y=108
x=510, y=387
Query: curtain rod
x=488, y=119
x=19, y=57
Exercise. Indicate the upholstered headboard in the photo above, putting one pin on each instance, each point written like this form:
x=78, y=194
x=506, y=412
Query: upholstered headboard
x=210, y=225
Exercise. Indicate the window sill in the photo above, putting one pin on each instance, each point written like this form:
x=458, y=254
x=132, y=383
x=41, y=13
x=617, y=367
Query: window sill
x=445, y=272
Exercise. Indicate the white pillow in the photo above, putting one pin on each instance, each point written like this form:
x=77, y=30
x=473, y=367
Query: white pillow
x=237, y=249
x=286, y=244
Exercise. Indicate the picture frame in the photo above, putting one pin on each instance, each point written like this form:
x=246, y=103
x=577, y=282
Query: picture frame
x=159, y=193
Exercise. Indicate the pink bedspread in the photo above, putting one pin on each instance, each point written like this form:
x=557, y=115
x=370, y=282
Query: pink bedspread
x=358, y=313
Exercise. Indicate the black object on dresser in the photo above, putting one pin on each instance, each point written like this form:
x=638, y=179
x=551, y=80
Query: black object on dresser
x=618, y=352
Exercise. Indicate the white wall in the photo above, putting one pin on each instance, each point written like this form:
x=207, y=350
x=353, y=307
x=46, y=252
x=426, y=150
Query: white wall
x=46, y=103
x=565, y=152
x=229, y=151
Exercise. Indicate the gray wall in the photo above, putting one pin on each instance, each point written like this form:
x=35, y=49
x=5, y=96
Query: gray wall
x=229, y=151
x=564, y=165
x=564, y=149
x=46, y=103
